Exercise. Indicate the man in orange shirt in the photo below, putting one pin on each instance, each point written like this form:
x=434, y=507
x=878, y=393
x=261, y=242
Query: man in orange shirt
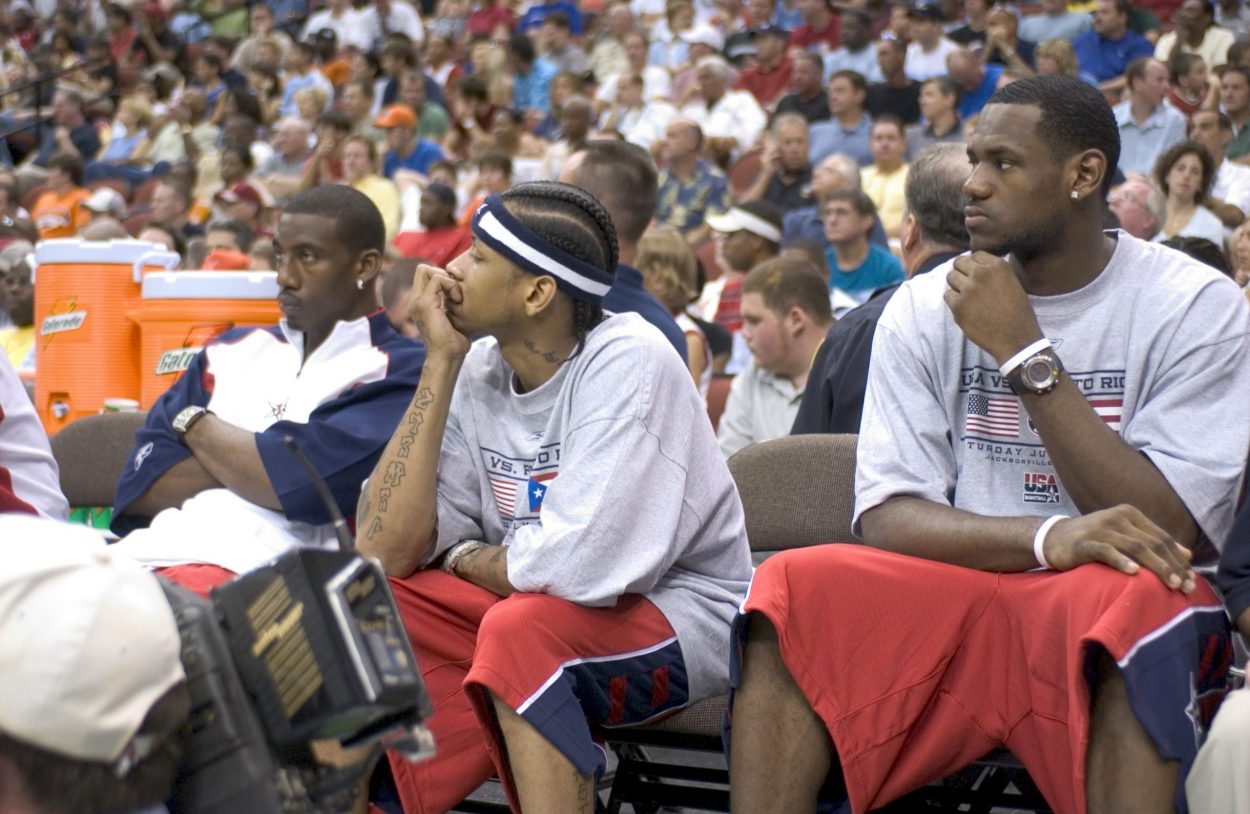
x=58, y=212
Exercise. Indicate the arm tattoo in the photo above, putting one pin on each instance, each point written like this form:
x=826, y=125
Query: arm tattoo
x=548, y=356
x=395, y=470
x=585, y=794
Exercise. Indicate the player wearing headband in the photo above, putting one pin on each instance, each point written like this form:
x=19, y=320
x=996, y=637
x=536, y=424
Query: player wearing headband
x=565, y=541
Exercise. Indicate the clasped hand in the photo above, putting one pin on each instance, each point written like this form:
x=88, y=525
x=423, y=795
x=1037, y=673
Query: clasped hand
x=990, y=305
x=433, y=292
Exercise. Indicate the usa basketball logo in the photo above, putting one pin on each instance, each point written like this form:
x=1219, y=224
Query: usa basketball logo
x=1041, y=487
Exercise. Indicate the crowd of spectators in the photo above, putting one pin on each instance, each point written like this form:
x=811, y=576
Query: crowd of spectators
x=782, y=134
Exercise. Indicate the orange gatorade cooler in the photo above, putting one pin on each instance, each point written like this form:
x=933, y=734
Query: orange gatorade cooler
x=181, y=310
x=86, y=350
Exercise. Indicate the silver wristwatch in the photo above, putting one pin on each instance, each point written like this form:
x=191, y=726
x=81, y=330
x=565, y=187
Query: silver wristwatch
x=186, y=417
x=458, y=552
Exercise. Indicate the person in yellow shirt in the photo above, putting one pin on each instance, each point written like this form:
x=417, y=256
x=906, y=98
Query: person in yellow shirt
x=885, y=180
x=17, y=297
x=58, y=212
x=360, y=173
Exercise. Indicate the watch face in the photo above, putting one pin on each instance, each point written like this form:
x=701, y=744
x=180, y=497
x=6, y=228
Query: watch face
x=1038, y=372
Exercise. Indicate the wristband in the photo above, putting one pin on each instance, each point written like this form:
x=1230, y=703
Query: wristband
x=1017, y=360
x=458, y=552
x=1039, y=538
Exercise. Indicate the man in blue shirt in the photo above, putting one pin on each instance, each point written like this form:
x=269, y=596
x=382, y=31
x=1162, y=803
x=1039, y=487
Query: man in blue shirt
x=977, y=82
x=531, y=86
x=847, y=131
x=1106, y=51
x=856, y=266
x=691, y=187
x=407, y=152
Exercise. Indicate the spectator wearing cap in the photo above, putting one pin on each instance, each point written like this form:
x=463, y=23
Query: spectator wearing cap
x=105, y=202
x=746, y=235
x=819, y=29
x=352, y=26
x=58, y=212
x=531, y=85
x=926, y=55
x=406, y=151
x=333, y=65
x=857, y=267
x=443, y=239
x=847, y=131
x=299, y=72
x=785, y=316
x=243, y=202
x=939, y=100
x=1106, y=50
x=537, y=13
x=93, y=717
x=690, y=186
x=702, y=40
x=17, y=301
x=731, y=120
x=558, y=46
x=770, y=76
x=857, y=52
x=360, y=173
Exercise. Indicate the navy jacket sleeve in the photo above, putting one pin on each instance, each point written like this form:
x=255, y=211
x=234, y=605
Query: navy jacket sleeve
x=628, y=294
x=1233, y=576
x=343, y=439
x=156, y=448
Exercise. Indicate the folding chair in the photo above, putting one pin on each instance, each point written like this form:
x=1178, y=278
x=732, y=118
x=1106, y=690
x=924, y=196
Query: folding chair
x=91, y=453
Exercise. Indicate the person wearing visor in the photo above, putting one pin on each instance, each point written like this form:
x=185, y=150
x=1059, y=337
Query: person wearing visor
x=565, y=543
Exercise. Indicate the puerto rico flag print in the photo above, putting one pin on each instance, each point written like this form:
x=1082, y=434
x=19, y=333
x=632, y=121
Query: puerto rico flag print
x=993, y=416
x=537, y=489
x=519, y=483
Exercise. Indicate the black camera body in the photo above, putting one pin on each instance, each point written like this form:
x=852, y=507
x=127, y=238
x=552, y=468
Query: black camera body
x=309, y=647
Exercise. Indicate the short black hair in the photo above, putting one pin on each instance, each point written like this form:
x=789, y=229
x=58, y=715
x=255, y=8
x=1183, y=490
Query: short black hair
x=1075, y=117
x=356, y=219
x=521, y=47
x=946, y=86
x=1202, y=250
x=496, y=159
x=623, y=177
x=397, y=280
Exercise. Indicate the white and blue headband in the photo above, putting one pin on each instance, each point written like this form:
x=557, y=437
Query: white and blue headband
x=495, y=226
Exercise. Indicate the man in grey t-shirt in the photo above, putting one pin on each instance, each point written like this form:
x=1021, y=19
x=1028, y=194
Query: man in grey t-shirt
x=1029, y=522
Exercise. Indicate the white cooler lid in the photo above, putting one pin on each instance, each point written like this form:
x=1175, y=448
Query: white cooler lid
x=210, y=285
x=134, y=253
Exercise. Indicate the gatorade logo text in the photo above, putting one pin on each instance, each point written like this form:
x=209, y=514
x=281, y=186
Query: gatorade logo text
x=175, y=361
x=59, y=323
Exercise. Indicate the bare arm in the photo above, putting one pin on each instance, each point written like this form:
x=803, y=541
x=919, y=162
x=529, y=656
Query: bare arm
x=397, y=518
x=230, y=455
x=183, y=480
x=487, y=568
x=1229, y=215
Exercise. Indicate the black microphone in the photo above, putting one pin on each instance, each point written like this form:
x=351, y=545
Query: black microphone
x=340, y=525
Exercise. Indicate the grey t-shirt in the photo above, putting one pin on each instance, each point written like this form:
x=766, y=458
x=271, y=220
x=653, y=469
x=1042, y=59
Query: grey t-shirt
x=604, y=481
x=1157, y=343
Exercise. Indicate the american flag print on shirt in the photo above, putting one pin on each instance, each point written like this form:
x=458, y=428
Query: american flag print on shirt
x=504, y=489
x=1109, y=408
x=993, y=416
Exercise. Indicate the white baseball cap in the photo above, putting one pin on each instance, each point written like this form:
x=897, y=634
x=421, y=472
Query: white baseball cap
x=88, y=643
x=705, y=34
x=106, y=200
